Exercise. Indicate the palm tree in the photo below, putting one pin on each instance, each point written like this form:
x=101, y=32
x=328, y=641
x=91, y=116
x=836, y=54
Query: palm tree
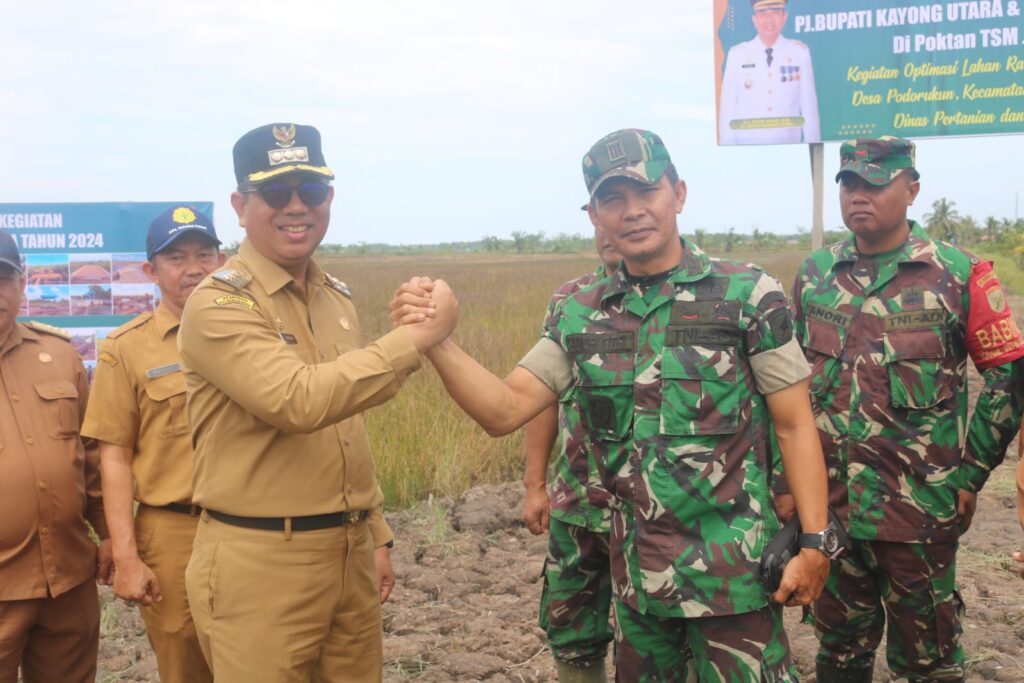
x=942, y=222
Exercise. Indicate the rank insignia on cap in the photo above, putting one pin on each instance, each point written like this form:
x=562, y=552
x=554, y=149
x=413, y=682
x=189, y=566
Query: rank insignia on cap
x=45, y=357
x=284, y=156
x=615, y=150
x=285, y=136
x=183, y=214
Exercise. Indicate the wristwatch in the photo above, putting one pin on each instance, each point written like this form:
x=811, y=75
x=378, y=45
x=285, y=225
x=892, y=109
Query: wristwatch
x=827, y=541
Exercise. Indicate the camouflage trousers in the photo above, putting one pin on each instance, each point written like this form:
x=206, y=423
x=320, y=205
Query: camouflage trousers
x=910, y=585
x=576, y=600
x=739, y=648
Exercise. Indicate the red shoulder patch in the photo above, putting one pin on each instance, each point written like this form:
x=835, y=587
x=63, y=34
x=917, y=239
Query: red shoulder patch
x=992, y=335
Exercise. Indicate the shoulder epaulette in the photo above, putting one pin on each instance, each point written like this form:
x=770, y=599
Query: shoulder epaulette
x=338, y=285
x=797, y=42
x=236, y=278
x=48, y=329
x=130, y=325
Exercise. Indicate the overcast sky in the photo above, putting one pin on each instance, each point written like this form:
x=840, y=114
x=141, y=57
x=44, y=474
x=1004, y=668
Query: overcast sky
x=443, y=120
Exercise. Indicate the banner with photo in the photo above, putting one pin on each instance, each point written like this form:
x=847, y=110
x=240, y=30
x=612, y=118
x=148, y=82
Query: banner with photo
x=84, y=264
x=809, y=71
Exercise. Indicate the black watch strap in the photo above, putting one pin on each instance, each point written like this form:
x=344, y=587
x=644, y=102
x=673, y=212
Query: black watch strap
x=827, y=541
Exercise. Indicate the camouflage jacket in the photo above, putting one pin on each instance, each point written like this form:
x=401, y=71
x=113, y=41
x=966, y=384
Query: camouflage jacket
x=668, y=381
x=889, y=387
x=577, y=494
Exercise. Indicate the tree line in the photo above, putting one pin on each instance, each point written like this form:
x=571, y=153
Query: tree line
x=944, y=222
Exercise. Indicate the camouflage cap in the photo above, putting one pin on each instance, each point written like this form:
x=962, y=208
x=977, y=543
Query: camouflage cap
x=631, y=152
x=877, y=160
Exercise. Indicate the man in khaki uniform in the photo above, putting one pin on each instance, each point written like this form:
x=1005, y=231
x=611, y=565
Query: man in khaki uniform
x=50, y=486
x=281, y=581
x=137, y=413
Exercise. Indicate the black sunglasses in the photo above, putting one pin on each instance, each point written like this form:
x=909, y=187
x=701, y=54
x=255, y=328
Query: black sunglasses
x=278, y=194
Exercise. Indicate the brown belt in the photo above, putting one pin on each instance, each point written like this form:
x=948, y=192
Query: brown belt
x=183, y=508
x=305, y=523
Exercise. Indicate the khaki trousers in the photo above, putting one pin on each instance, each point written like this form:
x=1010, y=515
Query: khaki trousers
x=165, y=542
x=53, y=639
x=283, y=608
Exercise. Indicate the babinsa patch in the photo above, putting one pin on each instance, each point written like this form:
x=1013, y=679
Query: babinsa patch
x=587, y=344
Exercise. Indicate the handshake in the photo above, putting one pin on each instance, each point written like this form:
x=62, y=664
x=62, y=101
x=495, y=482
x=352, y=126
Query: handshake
x=429, y=309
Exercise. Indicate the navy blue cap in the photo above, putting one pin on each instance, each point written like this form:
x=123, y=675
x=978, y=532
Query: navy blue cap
x=276, y=149
x=172, y=224
x=9, y=255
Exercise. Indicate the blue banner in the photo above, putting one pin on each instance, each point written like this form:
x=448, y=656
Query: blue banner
x=84, y=264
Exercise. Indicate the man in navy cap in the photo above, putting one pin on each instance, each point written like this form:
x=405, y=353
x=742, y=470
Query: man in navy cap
x=282, y=581
x=50, y=487
x=137, y=413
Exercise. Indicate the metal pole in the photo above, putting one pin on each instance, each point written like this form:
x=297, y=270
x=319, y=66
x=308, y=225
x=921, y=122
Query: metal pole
x=817, y=151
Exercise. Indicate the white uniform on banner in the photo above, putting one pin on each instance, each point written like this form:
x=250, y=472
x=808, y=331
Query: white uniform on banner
x=753, y=89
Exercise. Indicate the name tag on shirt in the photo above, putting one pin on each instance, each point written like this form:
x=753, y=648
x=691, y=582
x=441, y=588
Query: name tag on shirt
x=153, y=373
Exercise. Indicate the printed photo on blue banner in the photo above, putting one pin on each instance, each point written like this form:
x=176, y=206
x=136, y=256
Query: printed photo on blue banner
x=879, y=67
x=84, y=265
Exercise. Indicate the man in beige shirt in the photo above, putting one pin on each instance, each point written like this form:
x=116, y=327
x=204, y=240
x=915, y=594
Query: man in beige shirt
x=137, y=413
x=281, y=582
x=50, y=486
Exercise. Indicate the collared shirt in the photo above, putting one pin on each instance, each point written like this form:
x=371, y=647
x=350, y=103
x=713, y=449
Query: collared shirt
x=670, y=383
x=886, y=338
x=277, y=382
x=778, y=95
x=49, y=481
x=138, y=403
x=577, y=494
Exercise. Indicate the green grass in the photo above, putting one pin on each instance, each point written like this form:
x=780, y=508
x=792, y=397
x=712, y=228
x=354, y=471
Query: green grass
x=423, y=444
x=1006, y=267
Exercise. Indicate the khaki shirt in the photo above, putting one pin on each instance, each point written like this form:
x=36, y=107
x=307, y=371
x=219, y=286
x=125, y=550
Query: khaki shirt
x=49, y=481
x=138, y=403
x=277, y=383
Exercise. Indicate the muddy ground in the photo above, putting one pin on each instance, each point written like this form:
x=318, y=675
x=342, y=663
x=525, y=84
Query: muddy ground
x=466, y=601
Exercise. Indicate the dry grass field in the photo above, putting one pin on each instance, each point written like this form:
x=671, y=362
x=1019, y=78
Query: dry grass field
x=423, y=444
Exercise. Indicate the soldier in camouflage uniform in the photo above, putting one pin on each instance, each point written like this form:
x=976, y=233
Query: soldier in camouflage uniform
x=677, y=363
x=576, y=599
x=887, y=320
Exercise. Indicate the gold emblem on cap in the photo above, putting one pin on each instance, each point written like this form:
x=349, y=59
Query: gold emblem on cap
x=285, y=136
x=44, y=357
x=183, y=214
x=345, y=325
